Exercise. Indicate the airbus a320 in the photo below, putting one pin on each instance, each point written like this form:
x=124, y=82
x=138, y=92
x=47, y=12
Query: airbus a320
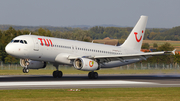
x=35, y=51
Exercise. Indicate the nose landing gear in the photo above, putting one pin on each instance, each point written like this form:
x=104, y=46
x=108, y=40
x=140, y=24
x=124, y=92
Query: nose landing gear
x=25, y=70
x=24, y=63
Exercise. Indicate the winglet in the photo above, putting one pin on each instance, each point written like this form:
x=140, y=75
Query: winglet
x=174, y=51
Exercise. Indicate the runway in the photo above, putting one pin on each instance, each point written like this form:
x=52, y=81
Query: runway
x=82, y=81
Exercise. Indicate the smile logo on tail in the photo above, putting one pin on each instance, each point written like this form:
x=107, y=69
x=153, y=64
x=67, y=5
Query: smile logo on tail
x=91, y=63
x=138, y=40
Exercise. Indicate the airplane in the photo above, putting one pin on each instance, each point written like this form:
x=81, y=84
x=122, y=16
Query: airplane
x=35, y=51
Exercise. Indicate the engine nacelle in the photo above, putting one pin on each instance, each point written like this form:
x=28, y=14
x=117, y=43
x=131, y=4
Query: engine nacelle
x=31, y=64
x=86, y=64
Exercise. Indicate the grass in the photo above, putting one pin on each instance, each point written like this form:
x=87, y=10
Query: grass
x=102, y=71
x=96, y=94
x=175, y=44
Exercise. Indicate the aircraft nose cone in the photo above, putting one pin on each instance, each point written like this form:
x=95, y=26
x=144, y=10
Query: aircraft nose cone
x=8, y=49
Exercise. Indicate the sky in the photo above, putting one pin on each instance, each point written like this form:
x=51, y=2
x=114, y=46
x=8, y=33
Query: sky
x=63, y=13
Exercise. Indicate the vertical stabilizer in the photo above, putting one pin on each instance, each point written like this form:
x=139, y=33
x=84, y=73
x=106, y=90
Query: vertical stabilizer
x=135, y=38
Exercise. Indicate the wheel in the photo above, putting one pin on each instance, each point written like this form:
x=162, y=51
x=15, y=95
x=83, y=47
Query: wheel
x=26, y=70
x=95, y=75
x=60, y=74
x=90, y=75
x=55, y=74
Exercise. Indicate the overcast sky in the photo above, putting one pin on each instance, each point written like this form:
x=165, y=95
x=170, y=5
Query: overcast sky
x=161, y=13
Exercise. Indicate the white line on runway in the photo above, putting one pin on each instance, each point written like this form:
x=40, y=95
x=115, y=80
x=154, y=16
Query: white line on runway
x=3, y=76
x=43, y=83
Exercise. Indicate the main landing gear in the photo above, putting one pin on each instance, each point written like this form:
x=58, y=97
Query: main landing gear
x=93, y=75
x=57, y=73
x=25, y=70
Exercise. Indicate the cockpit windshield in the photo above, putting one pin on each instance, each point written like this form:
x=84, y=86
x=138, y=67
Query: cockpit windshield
x=16, y=41
x=25, y=41
x=19, y=41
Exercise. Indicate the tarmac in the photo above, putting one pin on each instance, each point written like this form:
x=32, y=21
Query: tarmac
x=82, y=81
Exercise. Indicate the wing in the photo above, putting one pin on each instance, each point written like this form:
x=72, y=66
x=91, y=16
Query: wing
x=122, y=58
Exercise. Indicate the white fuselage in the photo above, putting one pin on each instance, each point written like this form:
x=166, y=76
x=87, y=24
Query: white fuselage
x=46, y=49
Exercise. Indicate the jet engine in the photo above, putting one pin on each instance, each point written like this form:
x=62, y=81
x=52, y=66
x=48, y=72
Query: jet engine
x=86, y=64
x=30, y=64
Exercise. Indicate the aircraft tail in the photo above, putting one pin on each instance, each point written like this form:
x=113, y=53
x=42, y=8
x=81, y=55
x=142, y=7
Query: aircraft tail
x=135, y=38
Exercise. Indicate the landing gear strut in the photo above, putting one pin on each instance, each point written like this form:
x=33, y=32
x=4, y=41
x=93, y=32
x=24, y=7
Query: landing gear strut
x=25, y=70
x=93, y=75
x=57, y=73
x=25, y=63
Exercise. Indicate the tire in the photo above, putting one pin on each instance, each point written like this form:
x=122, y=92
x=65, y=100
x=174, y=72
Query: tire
x=95, y=75
x=90, y=75
x=55, y=74
x=60, y=74
x=26, y=70
x=23, y=70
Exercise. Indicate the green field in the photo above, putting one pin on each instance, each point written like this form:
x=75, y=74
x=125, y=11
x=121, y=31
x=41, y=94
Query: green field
x=102, y=71
x=97, y=94
x=175, y=44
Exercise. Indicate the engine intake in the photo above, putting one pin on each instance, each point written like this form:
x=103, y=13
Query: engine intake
x=31, y=64
x=85, y=64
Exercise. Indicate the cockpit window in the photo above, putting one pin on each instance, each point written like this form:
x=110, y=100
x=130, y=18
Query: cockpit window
x=25, y=41
x=16, y=41
x=21, y=41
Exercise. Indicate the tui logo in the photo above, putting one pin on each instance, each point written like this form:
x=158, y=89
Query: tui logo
x=138, y=40
x=47, y=42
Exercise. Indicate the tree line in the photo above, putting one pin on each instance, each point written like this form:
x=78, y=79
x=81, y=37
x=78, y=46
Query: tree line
x=99, y=32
